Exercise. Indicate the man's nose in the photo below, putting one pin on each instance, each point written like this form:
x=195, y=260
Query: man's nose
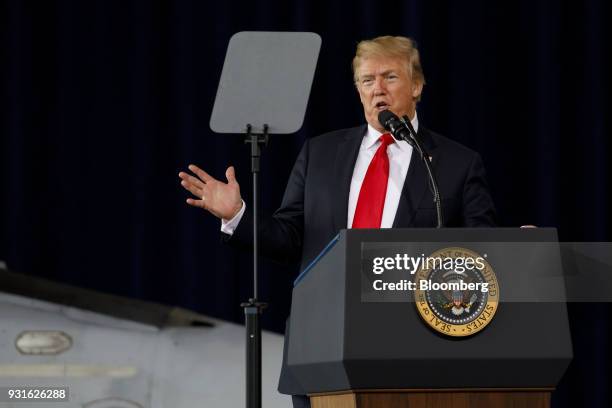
x=379, y=86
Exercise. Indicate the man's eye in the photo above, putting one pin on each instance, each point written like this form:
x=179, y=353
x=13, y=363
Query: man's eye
x=366, y=81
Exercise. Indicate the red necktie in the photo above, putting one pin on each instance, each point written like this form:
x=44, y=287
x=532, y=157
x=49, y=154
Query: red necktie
x=371, y=202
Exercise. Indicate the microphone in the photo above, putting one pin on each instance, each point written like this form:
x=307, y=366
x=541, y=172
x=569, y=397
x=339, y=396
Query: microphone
x=392, y=123
x=402, y=130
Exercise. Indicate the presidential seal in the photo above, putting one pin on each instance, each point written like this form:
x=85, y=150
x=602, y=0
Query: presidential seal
x=456, y=292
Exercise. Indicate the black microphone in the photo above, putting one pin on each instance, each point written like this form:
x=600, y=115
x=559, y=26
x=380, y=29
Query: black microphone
x=402, y=130
x=392, y=123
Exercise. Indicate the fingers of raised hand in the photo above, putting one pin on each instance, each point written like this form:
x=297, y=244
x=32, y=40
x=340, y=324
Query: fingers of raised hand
x=193, y=189
x=230, y=174
x=188, y=178
x=196, y=203
x=204, y=176
x=192, y=184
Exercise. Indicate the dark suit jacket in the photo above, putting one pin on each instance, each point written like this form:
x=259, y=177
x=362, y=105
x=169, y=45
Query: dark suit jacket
x=315, y=204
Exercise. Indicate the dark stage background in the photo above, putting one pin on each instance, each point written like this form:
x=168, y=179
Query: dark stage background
x=104, y=102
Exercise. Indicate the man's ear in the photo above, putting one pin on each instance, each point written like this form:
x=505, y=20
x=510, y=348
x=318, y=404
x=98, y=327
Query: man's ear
x=417, y=89
x=358, y=92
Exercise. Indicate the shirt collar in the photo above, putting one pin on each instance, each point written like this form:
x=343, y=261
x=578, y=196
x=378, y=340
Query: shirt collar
x=372, y=136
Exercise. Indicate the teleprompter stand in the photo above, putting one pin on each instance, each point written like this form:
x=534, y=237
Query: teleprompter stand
x=254, y=308
x=265, y=83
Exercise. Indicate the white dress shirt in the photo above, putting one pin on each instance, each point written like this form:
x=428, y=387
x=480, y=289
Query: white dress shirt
x=399, y=154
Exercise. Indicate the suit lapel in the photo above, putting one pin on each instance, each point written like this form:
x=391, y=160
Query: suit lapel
x=346, y=157
x=415, y=184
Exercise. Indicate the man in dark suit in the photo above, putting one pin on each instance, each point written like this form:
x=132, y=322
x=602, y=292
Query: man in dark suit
x=358, y=177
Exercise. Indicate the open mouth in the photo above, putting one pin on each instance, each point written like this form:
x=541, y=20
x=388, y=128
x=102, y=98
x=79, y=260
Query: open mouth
x=381, y=106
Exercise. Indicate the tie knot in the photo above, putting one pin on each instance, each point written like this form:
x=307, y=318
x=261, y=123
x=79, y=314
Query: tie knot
x=386, y=139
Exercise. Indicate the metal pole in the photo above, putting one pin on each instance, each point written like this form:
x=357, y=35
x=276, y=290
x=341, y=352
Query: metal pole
x=253, y=308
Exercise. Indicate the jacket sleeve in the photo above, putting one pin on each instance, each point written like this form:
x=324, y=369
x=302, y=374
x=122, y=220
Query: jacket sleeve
x=280, y=236
x=478, y=208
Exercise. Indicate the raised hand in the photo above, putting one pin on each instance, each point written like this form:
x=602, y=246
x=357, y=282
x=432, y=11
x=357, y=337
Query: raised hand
x=221, y=199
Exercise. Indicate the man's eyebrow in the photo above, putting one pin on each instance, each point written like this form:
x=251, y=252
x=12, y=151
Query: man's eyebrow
x=387, y=72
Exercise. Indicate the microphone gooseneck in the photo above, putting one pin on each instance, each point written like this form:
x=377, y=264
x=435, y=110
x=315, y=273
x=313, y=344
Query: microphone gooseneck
x=402, y=129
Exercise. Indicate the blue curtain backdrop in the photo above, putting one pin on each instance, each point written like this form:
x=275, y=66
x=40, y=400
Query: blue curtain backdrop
x=104, y=102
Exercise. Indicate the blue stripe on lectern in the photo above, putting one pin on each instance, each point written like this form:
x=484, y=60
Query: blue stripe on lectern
x=325, y=250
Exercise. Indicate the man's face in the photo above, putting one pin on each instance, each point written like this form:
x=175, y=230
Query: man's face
x=385, y=83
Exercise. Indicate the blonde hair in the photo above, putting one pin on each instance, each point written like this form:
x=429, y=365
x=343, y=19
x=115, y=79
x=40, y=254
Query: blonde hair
x=390, y=46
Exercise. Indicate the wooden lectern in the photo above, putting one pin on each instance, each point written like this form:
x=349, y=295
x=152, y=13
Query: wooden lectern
x=348, y=350
x=446, y=398
x=472, y=398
